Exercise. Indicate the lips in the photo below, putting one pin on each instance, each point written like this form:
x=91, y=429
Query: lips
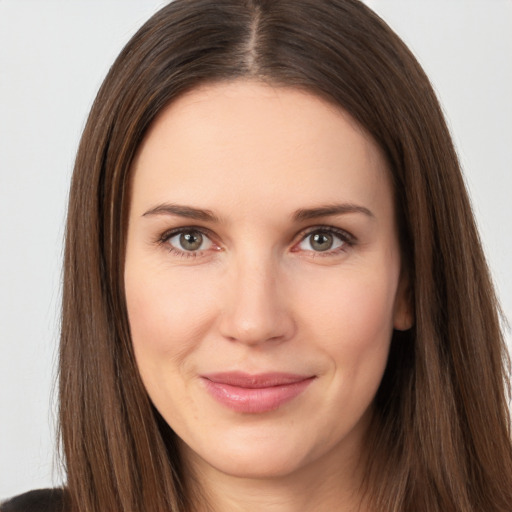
x=256, y=394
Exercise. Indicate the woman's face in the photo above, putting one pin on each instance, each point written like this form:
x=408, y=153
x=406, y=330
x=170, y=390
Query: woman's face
x=263, y=278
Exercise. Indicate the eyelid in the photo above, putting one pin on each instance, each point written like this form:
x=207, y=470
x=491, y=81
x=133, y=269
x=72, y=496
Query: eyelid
x=347, y=238
x=169, y=233
x=164, y=238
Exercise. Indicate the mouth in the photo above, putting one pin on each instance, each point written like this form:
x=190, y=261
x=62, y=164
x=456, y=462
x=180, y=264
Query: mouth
x=255, y=394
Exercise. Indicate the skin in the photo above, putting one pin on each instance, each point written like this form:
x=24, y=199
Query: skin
x=258, y=296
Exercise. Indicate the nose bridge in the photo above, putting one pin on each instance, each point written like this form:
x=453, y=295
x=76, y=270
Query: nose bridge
x=256, y=311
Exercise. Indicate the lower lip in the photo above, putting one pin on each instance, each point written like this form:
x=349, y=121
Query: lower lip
x=255, y=400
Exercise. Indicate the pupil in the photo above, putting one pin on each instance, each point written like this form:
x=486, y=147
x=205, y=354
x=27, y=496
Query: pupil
x=191, y=241
x=321, y=241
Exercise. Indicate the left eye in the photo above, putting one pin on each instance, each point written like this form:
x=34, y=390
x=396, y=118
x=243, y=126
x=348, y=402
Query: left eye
x=321, y=241
x=190, y=241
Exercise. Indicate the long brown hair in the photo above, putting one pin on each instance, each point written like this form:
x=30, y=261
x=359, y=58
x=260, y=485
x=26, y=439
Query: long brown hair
x=440, y=437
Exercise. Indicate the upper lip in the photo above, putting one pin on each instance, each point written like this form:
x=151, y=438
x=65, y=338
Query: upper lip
x=255, y=381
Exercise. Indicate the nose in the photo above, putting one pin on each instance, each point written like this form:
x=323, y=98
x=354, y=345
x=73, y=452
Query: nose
x=256, y=309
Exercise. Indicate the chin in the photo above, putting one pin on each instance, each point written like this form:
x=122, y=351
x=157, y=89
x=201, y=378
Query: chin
x=257, y=465
x=256, y=458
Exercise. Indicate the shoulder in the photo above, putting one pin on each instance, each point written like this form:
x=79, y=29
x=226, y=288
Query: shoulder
x=41, y=500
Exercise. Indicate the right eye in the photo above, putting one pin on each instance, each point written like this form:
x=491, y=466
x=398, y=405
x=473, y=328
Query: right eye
x=187, y=242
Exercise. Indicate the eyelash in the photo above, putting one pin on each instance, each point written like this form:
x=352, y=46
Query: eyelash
x=165, y=237
x=346, y=238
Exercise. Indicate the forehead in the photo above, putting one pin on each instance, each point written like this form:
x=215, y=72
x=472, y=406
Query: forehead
x=249, y=145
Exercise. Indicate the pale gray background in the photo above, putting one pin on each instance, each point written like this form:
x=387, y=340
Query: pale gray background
x=53, y=57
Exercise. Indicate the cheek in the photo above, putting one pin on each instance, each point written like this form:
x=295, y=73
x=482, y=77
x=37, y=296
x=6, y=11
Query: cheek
x=168, y=314
x=351, y=317
x=356, y=304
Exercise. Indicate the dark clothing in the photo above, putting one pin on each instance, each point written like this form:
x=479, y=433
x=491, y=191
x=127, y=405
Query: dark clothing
x=42, y=500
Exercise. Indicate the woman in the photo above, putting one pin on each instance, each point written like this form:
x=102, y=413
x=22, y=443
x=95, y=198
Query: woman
x=274, y=292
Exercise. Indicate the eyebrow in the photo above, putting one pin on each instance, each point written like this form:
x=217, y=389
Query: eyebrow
x=183, y=211
x=300, y=215
x=329, y=210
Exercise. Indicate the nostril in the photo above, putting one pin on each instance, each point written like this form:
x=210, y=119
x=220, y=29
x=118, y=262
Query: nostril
x=261, y=326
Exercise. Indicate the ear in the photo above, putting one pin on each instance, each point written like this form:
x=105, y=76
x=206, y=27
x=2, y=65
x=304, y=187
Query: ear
x=403, y=312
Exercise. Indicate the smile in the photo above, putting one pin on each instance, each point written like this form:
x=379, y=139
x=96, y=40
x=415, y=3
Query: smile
x=255, y=394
